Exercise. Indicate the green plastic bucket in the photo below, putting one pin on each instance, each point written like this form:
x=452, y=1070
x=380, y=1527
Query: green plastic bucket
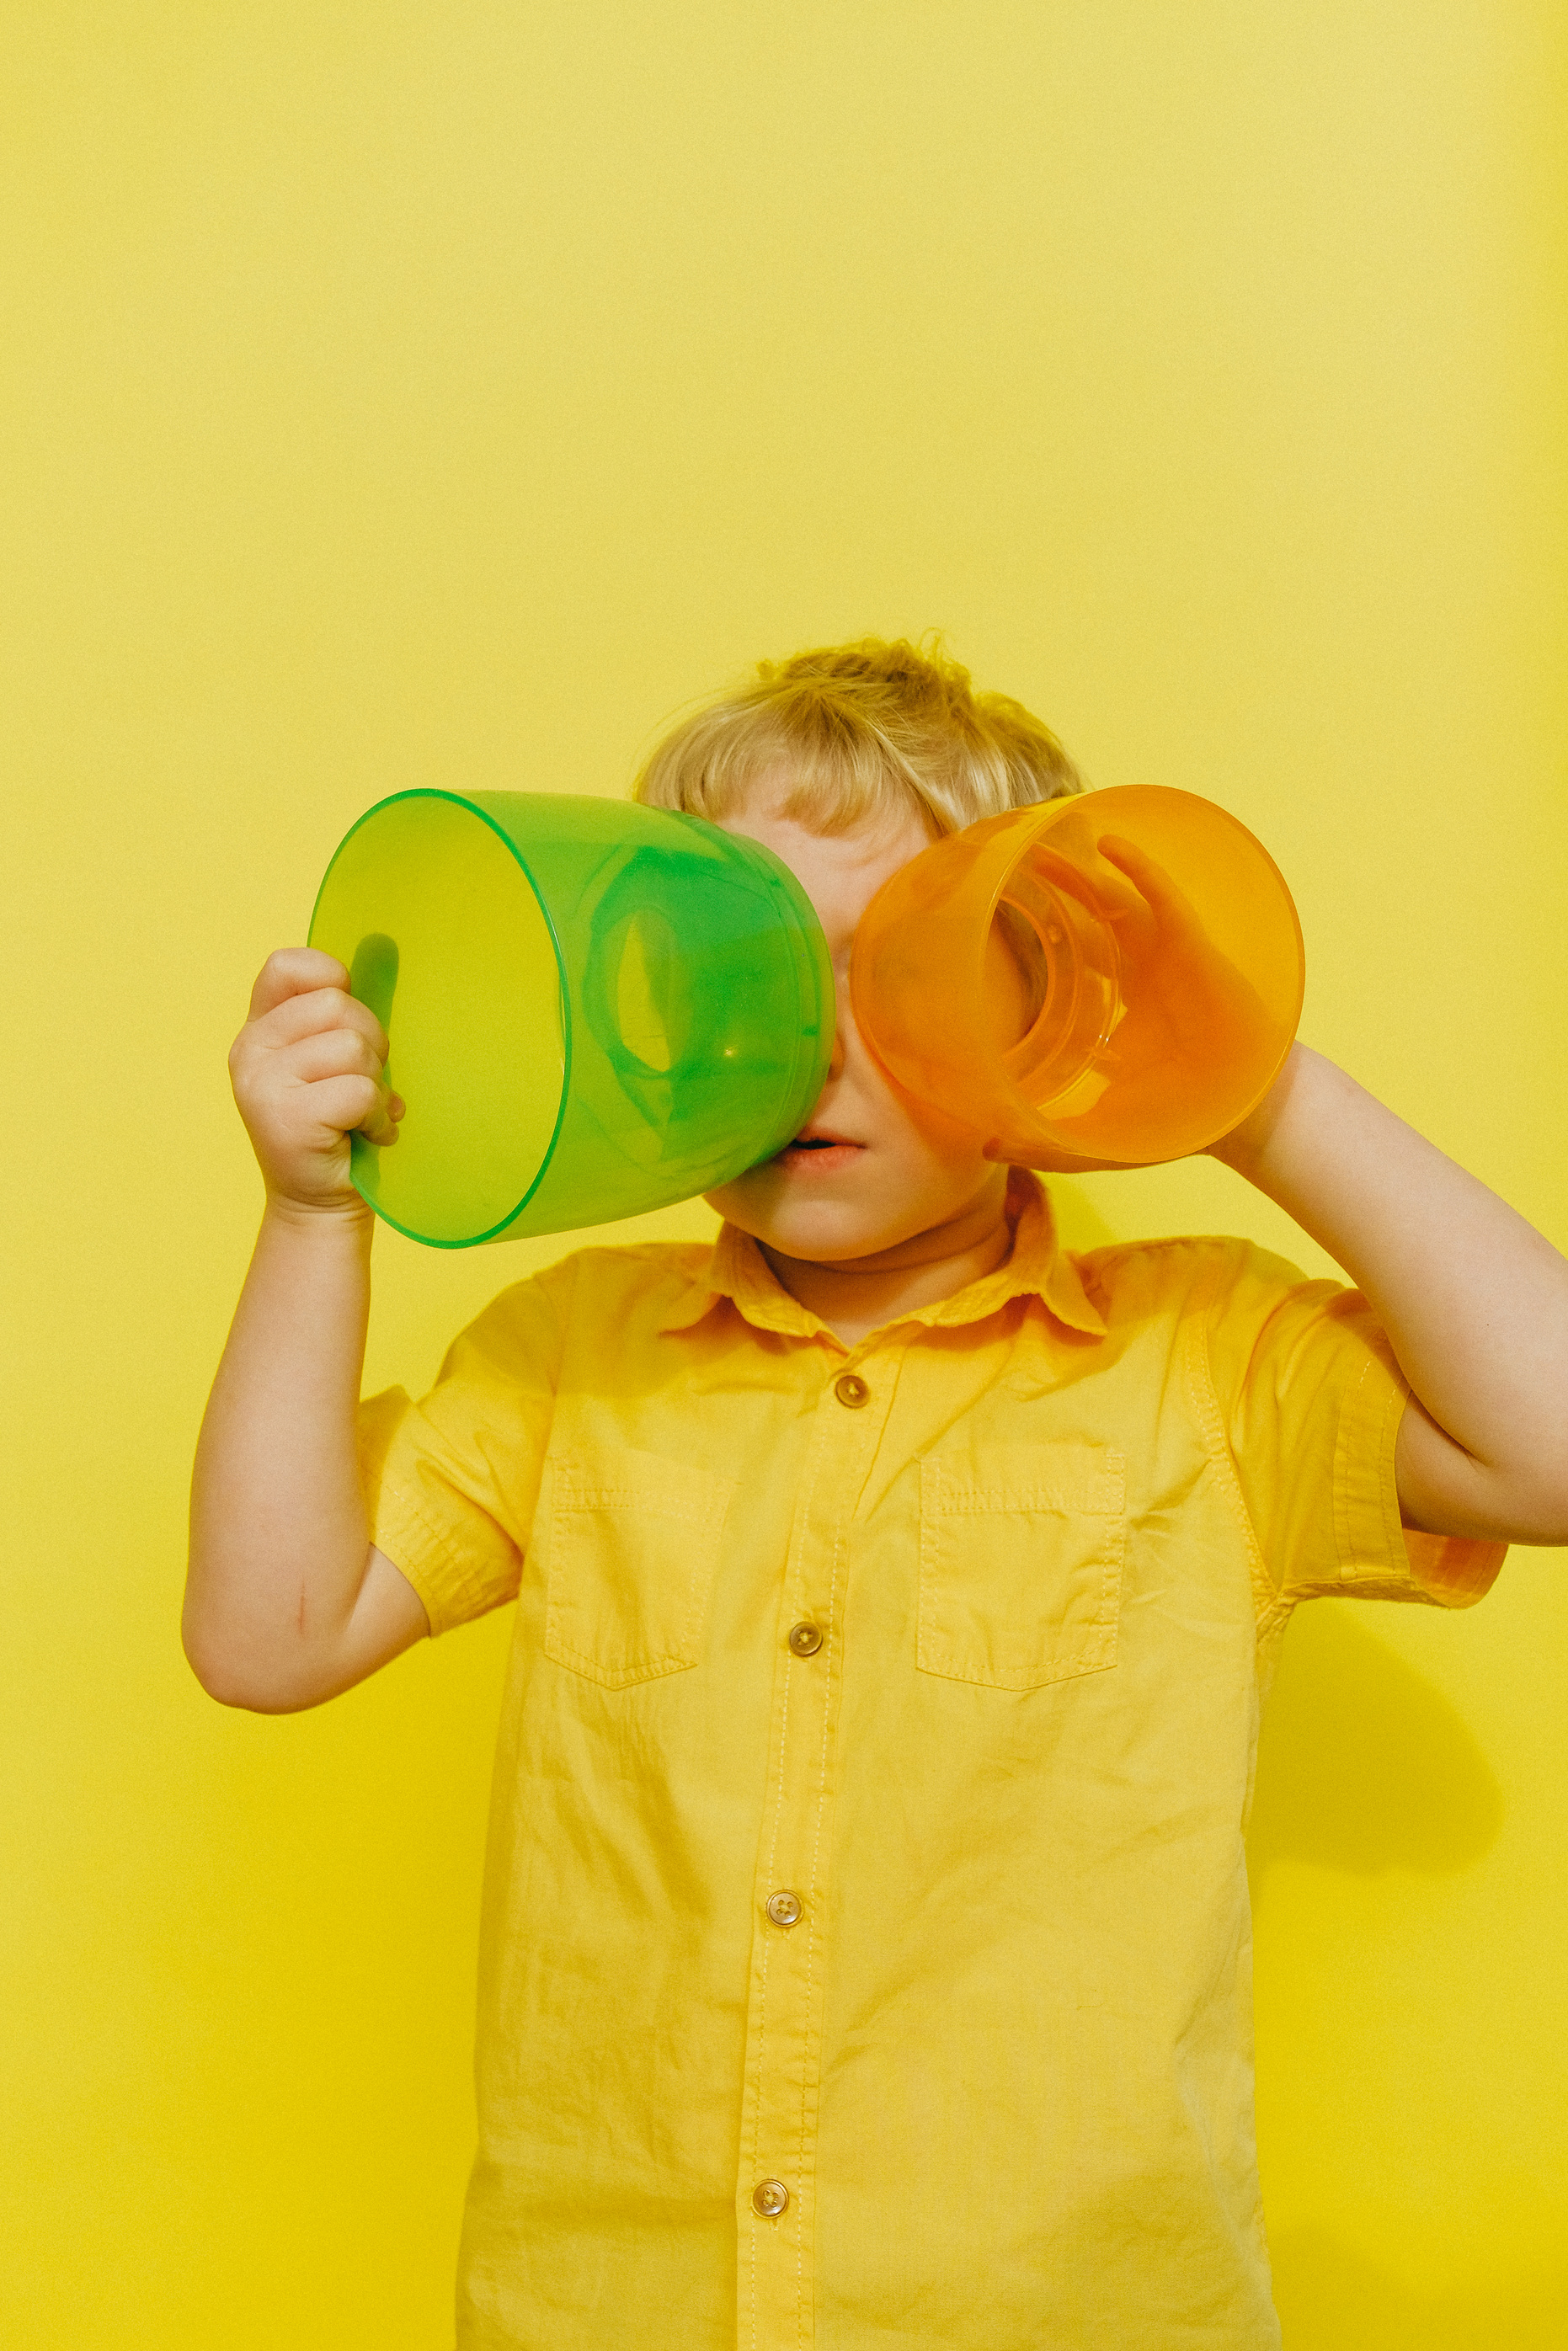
x=594, y=1008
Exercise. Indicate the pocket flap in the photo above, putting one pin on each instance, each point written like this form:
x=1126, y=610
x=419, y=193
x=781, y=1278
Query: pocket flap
x=1090, y=1479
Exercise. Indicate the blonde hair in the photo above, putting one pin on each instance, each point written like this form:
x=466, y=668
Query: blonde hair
x=864, y=730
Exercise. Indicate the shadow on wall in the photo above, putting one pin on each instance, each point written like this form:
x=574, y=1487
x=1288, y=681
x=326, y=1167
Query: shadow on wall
x=1362, y=1765
x=1328, y=2292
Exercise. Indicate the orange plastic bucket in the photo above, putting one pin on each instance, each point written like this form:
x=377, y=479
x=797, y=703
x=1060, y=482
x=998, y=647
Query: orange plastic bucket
x=1116, y=975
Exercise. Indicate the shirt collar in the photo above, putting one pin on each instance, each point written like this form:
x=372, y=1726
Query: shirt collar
x=1036, y=1268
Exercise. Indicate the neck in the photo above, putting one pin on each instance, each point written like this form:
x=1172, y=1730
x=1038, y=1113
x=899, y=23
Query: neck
x=862, y=1293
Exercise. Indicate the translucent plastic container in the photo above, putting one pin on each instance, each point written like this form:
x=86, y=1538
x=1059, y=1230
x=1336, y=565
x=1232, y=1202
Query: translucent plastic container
x=1114, y=975
x=594, y=1008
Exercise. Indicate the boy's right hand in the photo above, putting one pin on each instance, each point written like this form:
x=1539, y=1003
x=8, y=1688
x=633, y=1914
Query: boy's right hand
x=307, y=1071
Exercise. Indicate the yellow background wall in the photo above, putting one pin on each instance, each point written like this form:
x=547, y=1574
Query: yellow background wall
x=409, y=394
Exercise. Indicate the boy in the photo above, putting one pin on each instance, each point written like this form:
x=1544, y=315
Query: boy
x=866, y=1955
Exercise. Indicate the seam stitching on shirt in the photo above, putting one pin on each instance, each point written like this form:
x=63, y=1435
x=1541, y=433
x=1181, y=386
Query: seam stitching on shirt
x=790, y=1568
x=646, y=1505
x=1345, y=1511
x=1350, y=1511
x=1402, y=1574
x=811, y=1941
x=762, y=1997
x=979, y=1501
x=651, y=1668
x=1076, y=1668
x=1205, y=1400
x=447, y=1552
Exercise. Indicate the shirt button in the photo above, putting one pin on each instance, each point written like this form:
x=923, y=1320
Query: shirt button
x=770, y=2196
x=851, y=1390
x=784, y=1909
x=805, y=1640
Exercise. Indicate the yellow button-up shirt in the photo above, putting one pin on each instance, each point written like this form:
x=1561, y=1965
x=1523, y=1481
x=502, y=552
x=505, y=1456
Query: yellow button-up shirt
x=866, y=1957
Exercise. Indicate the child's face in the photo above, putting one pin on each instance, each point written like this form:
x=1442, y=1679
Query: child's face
x=886, y=1170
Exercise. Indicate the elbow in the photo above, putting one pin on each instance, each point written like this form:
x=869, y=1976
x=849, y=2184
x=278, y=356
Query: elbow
x=1534, y=1507
x=234, y=1677
x=1530, y=1509
x=223, y=1678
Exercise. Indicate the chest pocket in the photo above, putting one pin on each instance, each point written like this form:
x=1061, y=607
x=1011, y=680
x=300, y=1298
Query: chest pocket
x=634, y=1544
x=1020, y=1562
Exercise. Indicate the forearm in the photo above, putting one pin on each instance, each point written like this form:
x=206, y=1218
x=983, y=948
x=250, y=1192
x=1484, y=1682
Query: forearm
x=1473, y=1299
x=278, y=1537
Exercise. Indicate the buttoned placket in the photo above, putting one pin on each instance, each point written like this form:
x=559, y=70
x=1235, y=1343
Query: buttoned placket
x=776, y=2190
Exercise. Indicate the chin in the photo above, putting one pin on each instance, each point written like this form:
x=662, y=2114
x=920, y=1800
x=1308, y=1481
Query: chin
x=823, y=1231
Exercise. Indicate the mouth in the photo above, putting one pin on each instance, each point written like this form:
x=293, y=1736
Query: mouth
x=819, y=1153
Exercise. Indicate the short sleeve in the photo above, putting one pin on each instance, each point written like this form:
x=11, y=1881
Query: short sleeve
x=1309, y=1398
x=450, y=1483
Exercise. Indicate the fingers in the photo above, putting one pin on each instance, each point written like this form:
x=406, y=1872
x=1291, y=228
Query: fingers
x=1117, y=897
x=313, y=1011
x=308, y=1070
x=294, y=971
x=310, y=1065
x=335, y=1077
x=326, y=1011
x=348, y=1105
x=323, y=1036
x=331, y=1053
x=1148, y=877
x=336, y=1066
x=1115, y=894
